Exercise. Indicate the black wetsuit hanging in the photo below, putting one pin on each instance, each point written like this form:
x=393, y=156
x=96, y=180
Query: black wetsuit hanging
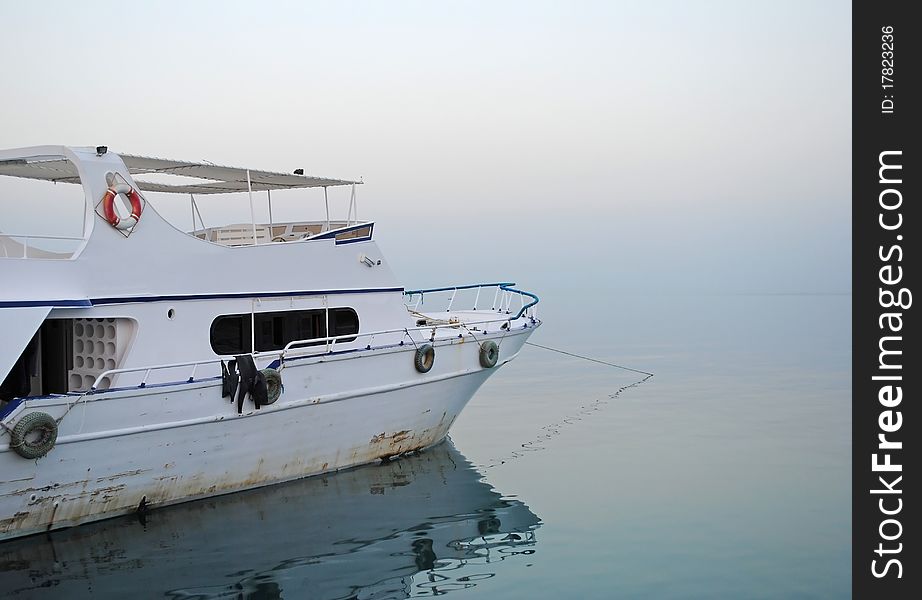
x=252, y=382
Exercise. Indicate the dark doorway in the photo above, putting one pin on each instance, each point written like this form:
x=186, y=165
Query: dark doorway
x=57, y=355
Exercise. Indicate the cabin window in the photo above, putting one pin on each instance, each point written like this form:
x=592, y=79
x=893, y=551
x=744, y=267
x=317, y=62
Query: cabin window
x=344, y=321
x=231, y=334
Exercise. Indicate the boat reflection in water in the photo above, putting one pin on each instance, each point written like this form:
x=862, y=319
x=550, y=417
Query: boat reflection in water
x=421, y=525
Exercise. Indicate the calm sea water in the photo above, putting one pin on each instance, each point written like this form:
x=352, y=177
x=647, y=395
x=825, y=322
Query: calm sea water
x=726, y=475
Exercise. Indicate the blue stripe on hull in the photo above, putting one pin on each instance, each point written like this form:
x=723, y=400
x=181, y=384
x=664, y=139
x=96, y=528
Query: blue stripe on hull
x=136, y=299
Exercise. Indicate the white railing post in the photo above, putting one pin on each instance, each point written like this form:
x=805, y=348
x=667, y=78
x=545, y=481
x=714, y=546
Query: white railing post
x=253, y=324
x=326, y=310
x=477, y=299
x=450, y=302
x=252, y=210
x=269, y=198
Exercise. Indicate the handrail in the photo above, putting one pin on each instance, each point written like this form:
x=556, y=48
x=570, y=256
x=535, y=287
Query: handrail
x=36, y=236
x=29, y=237
x=293, y=345
x=457, y=287
x=330, y=342
x=523, y=293
x=149, y=368
x=501, y=286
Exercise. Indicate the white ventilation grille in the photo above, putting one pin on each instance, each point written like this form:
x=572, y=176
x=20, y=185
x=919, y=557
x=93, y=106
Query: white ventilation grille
x=98, y=346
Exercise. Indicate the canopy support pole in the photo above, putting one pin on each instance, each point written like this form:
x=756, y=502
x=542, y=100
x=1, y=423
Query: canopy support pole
x=269, y=196
x=352, y=216
x=252, y=211
x=200, y=219
x=326, y=201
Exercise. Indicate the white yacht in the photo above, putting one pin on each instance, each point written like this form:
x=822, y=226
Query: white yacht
x=143, y=365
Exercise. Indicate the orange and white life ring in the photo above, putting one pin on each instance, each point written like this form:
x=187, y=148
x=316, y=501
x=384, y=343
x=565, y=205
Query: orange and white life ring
x=108, y=206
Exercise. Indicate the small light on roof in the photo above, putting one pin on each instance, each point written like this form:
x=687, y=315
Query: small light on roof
x=100, y=150
x=299, y=171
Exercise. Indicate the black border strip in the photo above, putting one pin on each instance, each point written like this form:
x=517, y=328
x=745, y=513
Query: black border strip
x=885, y=269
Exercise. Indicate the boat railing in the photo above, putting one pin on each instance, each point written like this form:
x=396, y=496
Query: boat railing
x=254, y=234
x=330, y=342
x=37, y=252
x=318, y=346
x=504, y=295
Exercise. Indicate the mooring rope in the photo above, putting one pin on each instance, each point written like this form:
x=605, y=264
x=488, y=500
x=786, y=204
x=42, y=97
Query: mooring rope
x=595, y=360
x=552, y=430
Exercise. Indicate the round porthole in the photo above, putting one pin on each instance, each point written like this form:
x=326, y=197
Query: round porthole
x=170, y=314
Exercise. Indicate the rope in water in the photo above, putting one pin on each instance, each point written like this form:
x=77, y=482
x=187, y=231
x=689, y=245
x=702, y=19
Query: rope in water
x=552, y=430
x=595, y=360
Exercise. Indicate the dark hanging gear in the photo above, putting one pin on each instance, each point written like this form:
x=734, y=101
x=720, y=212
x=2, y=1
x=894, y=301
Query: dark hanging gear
x=260, y=391
x=252, y=382
x=225, y=388
x=229, y=379
x=247, y=369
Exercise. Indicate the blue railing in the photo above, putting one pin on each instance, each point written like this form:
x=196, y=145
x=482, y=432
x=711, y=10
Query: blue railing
x=502, y=298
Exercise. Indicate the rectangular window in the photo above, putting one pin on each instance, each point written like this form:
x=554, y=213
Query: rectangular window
x=230, y=334
x=343, y=321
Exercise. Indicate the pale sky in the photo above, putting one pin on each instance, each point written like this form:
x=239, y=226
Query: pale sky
x=669, y=146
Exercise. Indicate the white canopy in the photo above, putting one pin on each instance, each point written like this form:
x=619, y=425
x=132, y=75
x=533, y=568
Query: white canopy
x=217, y=179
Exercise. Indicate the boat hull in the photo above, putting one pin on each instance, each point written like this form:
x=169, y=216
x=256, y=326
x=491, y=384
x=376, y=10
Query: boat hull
x=111, y=472
x=362, y=533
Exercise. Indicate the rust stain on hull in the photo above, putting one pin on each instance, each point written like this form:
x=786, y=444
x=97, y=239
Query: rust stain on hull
x=391, y=439
x=120, y=475
x=106, y=493
x=13, y=522
x=385, y=447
